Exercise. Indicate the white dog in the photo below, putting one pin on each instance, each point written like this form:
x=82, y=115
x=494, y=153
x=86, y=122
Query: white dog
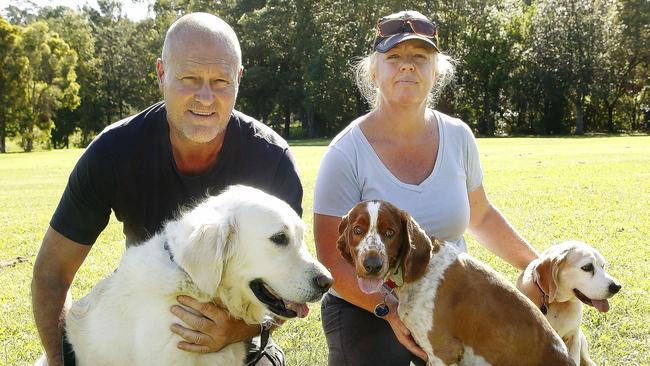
x=559, y=280
x=243, y=247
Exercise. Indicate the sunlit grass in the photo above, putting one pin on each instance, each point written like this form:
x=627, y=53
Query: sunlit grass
x=550, y=189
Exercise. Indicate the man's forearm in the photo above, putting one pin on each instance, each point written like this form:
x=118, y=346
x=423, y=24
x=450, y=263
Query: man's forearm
x=50, y=304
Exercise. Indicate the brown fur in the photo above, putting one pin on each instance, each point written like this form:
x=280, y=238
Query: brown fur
x=415, y=250
x=478, y=308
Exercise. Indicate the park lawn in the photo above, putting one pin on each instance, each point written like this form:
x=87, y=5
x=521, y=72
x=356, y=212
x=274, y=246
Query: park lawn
x=595, y=189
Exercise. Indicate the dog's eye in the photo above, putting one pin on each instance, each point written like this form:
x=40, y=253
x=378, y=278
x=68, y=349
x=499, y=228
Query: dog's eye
x=357, y=230
x=280, y=238
x=389, y=233
x=588, y=267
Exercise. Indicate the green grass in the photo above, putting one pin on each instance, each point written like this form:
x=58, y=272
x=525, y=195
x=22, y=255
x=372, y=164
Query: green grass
x=550, y=189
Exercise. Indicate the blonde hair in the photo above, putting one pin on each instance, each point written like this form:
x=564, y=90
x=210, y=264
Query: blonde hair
x=365, y=67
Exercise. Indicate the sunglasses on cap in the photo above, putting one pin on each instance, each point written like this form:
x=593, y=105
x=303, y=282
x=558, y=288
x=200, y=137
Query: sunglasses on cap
x=422, y=27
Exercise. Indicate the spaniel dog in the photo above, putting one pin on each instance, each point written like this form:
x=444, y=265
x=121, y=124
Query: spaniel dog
x=459, y=310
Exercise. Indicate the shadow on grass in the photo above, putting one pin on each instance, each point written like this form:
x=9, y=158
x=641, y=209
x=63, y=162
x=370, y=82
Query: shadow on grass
x=310, y=142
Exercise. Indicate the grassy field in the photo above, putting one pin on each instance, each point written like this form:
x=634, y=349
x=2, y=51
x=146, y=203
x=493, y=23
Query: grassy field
x=551, y=189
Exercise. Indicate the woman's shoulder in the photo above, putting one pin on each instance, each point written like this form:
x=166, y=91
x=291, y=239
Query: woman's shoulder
x=348, y=136
x=453, y=125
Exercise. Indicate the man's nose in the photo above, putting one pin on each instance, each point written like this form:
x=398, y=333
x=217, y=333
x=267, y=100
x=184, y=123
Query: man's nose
x=205, y=95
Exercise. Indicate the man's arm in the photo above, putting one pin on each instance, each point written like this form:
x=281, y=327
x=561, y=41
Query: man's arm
x=56, y=264
x=212, y=328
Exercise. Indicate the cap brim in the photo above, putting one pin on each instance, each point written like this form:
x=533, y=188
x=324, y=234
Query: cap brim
x=386, y=44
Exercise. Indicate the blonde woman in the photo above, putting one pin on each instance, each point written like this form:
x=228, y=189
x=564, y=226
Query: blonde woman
x=421, y=160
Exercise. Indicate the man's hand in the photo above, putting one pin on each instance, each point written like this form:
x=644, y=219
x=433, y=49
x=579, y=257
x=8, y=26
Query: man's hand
x=211, y=327
x=404, y=335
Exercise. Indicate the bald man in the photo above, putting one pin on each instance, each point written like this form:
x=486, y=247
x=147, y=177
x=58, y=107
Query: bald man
x=146, y=167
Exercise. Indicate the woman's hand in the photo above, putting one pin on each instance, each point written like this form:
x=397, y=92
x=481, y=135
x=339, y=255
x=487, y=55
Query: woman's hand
x=211, y=326
x=403, y=334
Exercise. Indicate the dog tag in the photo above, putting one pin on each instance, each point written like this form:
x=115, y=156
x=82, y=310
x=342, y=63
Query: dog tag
x=381, y=310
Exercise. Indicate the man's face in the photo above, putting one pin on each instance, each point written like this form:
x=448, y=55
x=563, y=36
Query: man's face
x=199, y=82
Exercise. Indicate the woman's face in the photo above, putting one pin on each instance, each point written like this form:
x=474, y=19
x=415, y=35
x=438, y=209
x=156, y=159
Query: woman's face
x=405, y=74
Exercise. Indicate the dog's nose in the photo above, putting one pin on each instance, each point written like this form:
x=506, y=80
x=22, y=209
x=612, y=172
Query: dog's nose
x=372, y=265
x=614, y=287
x=323, y=282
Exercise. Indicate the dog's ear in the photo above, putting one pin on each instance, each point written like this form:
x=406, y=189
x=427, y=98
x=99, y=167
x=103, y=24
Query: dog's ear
x=206, y=250
x=416, y=249
x=547, y=273
x=342, y=242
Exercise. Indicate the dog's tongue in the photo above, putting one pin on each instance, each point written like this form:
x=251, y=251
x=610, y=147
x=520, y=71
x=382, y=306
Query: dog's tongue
x=302, y=310
x=369, y=285
x=601, y=305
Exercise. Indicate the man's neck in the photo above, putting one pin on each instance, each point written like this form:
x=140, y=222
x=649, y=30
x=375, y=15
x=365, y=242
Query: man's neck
x=194, y=158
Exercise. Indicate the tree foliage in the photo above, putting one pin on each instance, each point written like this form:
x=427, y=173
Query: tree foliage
x=523, y=67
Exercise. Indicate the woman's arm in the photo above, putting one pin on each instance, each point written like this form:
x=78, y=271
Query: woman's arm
x=493, y=231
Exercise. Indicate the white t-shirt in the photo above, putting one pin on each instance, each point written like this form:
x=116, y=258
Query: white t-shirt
x=352, y=172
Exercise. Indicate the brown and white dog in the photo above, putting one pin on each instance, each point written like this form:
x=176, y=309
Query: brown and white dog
x=459, y=310
x=559, y=281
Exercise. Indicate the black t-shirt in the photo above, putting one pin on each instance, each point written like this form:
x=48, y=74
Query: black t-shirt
x=129, y=168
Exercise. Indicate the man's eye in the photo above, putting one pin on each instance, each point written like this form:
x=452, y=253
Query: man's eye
x=389, y=233
x=588, y=267
x=357, y=230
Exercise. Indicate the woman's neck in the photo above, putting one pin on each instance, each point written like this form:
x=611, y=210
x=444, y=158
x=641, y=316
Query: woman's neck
x=403, y=122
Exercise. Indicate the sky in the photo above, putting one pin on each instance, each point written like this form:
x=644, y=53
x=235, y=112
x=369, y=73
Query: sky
x=135, y=11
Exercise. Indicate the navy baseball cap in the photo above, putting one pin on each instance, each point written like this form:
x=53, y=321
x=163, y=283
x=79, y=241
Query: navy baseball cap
x=403, y=26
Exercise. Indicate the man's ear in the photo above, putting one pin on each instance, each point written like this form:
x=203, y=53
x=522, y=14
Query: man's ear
x=160, y=73
x=547, y=273
x=205, y=251
x=416, y=249
x=342, y=243
x=240, y=73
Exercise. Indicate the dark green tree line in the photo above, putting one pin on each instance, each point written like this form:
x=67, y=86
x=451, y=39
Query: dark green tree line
x=523, y=67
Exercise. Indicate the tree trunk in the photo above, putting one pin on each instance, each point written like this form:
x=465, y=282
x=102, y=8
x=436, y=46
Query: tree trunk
x=29, y=144
x=580, y=123
x=3, y=148
x=610, y=119
x=287, y=120
x=311, y=124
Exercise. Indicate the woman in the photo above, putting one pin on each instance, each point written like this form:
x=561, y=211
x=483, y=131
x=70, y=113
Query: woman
x=421, y=160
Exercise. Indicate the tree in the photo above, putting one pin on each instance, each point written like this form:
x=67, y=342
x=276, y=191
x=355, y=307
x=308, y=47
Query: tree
x=75, y=29
x=12, y=91
x=50, y=80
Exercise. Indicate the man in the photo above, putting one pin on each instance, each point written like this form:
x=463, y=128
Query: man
x=146, y=167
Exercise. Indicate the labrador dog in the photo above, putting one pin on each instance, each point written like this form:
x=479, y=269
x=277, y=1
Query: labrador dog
x=563, y=278
x=459, y=310
x=242, y=247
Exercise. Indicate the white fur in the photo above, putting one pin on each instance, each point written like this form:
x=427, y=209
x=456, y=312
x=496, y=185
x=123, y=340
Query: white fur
x=218, y=248
x=372, y=240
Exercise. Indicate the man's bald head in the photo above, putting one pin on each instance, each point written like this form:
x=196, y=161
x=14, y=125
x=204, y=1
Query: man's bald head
x=201, y=25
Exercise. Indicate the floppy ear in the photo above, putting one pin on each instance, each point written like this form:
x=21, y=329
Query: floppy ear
x=547, y=272
x=342, y=242
x=204, y=253
x=416, y=249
